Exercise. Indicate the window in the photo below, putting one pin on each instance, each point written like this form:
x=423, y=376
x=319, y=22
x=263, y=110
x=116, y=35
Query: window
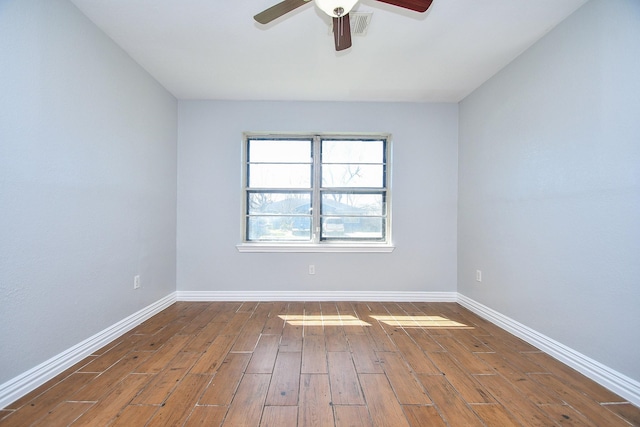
x=314, y=191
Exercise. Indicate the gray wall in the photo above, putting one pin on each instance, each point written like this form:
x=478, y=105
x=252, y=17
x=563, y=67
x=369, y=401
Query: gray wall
x=549, y=186
x=87, y=183
x=424, y=198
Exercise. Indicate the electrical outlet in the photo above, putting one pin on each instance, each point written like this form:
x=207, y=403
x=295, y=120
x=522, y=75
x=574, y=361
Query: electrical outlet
x=312, y=269
x=478, y=276
x=136, y=282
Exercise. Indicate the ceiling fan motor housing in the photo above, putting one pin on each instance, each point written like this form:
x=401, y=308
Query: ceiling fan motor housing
x=336, y=8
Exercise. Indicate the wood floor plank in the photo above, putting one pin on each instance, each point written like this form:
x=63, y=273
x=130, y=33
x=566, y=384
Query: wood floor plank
x=626, y=411
x=206, y=416
x=470, y=390
x=180, y=404
x=515, y=359
x=249, y=336
x=264, y=356
x=285, y=381
x=314, y=407
x=292, y=334
x=63, y=414
x=470, y=361
x=525, y=411
x=335, y=337
x=495, y=415
x=49, y=384
x=46, y=401
x=226, y=312
x=235, y=325
x=345, y=387
x=247, y=405
x=314, y=355
x=413, y=354
x=157, y=340
x=279, y=416
x=116, y=373
x=574, y=378
x=226, y=380
x=595, y=413
x=520, y=380
x=274, y=324
x=471, y=342
x=506, y=342
x=134, y=415
x=423, y=340
x=204, y=337
x=113, y=401
x=352, y=416
x=352, y=325
x=406, y=386
x=379, y=336
x=248, y=307
x=419, y=416
x=291, y=339
x=215, y=354
x=156, y=362
x=364, y=357
x=565, y=415
x=313, y=319
x=383, y=406
x=452, y=407
x=108, y=358
x=163, y=383
x=202, y=319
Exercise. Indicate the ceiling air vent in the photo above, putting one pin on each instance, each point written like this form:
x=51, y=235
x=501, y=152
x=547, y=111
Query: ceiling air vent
x=359, y=22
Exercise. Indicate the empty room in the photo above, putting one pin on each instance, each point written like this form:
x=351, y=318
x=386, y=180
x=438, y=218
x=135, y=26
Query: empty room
x=320, y=213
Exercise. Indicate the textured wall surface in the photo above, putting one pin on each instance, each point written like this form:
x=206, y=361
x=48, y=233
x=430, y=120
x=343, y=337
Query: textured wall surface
x=549, y=189
x=87, y=183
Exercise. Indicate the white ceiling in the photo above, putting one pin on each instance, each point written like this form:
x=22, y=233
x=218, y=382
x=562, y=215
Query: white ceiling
x=213, y=49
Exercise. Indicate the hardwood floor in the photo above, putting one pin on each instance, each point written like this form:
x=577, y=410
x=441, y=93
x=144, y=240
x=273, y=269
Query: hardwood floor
x=319, y=364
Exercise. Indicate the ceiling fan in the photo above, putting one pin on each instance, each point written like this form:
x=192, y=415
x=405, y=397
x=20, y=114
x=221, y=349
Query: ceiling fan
x=338, y=10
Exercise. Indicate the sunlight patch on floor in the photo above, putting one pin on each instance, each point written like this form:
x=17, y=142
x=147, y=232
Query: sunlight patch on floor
x=322, y=320
x=430, y=322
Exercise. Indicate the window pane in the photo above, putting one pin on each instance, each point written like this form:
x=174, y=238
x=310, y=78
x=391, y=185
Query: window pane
x=352, y=204
x=352, y=151
x=279, y=151
x=279, y=176
x=278, y=203
x=352, y=228
x=345, y=175
x=353, y=175
x=281, y=228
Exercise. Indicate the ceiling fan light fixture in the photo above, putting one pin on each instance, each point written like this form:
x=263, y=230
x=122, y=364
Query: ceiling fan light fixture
x=336, y=8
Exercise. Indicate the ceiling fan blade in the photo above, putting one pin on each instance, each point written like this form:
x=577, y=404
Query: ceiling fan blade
x=276, y=11
x=417, y=5
x=342, y=32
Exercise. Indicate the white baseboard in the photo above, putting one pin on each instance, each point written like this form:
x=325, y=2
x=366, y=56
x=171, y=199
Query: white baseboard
x=316, y=296
x=19, y=386
x=619, y=383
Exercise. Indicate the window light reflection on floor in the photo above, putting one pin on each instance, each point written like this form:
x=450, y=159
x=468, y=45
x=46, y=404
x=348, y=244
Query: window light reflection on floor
x=429, y=322
x=320, y=320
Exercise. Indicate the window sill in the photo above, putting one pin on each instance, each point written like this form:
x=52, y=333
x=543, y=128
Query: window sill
x=334, y=248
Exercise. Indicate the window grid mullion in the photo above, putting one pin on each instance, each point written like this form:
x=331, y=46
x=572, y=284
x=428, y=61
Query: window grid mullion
x=316, y=185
